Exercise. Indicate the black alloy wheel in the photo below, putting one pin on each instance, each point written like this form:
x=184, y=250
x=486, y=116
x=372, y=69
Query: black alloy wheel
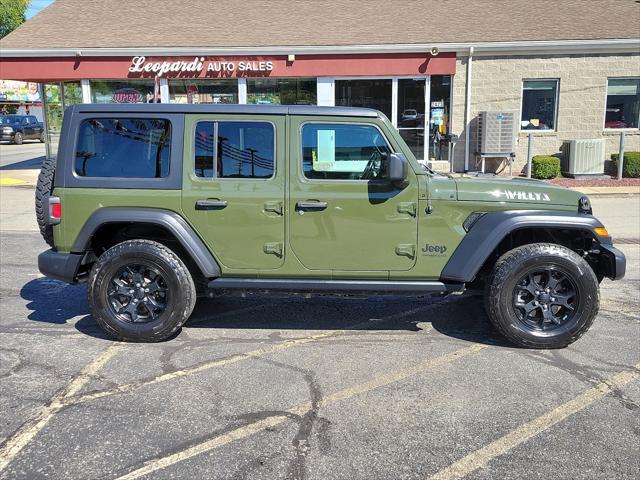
x=138, y=293
x=545, y=298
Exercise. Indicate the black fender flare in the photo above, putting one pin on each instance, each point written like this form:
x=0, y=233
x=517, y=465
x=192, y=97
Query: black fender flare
x=172, y=221
x=487, y=233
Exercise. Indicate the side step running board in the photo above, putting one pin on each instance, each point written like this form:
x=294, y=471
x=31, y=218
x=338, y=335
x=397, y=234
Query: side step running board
x=334, y=285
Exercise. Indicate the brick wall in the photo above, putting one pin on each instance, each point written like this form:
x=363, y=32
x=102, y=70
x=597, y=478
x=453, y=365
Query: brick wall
x=497, y=85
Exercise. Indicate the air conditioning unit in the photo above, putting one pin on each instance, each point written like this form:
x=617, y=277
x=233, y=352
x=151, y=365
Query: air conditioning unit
x=582, y=157
x=496, y=134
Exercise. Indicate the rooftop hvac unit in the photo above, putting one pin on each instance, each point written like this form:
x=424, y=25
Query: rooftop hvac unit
x=582, y=157
x=496, y=134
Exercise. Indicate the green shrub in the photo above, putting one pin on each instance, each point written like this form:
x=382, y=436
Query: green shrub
x=545, y=166
x=631, y=166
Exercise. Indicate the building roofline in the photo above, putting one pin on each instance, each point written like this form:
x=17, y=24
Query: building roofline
x=623, y=45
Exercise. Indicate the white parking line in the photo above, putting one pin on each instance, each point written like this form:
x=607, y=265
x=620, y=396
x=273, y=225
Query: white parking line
x=484, y=455
x=15, y=443
x=298, y=410
x=129, y=387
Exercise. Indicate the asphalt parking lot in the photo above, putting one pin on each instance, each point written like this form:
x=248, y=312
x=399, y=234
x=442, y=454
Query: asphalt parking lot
x=319, y=388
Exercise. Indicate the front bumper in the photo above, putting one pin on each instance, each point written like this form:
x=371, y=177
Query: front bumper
x=616, y=261
x=7, y=137
x=59, y=265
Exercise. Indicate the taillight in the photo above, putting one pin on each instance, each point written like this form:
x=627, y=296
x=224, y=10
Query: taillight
x=55, y=210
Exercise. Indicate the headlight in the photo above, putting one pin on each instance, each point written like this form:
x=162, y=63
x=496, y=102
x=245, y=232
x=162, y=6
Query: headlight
x=584, y=205
x=7, y=129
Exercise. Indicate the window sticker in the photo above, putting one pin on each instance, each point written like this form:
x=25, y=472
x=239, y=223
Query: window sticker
x=325, y=158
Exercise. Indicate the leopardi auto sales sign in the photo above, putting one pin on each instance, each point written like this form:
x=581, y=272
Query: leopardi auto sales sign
x=198, y=65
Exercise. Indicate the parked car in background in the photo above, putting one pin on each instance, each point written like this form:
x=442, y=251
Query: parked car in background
x=18, y=128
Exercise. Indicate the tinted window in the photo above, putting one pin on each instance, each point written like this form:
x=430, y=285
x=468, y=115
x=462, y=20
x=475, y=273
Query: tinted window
x=344, y=152
x=240, y=149
x=124, y=147
x=539, y=105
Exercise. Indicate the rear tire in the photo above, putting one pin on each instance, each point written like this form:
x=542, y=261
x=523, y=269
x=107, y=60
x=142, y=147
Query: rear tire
x=44, y=187
x=542, y=296
x=41, y=137
x=141, y=291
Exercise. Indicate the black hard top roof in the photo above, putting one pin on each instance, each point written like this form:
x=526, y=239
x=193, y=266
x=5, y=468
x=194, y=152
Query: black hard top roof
x=217, y=108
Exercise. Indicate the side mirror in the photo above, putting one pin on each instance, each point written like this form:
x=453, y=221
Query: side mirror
x=398, y=166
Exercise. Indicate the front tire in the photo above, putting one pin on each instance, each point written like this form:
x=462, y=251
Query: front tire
x=141, y=291
x=542, y=296
x=18, y=139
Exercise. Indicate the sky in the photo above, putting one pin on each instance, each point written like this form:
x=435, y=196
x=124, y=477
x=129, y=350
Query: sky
x=36, y=6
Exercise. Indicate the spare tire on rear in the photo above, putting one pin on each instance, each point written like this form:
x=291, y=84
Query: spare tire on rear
x=44, y=187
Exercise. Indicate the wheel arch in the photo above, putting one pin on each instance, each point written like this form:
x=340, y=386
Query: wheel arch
x=151, y=223
x=495, y=231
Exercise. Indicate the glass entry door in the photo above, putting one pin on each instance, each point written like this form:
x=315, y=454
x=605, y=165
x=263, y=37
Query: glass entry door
x=411, y=113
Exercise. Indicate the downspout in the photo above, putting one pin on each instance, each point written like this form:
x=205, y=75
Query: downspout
x=467, y=112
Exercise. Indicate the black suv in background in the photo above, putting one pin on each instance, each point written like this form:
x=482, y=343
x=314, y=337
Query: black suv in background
x=17, y=128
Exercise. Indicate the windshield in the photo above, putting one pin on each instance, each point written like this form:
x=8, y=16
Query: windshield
x=6, y=119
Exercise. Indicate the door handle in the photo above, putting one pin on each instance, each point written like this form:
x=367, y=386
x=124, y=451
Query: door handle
x=211, y=204
x=311, y=206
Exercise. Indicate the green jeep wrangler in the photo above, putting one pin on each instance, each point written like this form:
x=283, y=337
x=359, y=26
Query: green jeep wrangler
x=155, y=205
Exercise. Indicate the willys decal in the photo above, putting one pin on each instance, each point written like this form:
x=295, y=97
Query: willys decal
x=528, y=196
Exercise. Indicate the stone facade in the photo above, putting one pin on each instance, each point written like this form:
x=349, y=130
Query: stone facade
x=497, y=85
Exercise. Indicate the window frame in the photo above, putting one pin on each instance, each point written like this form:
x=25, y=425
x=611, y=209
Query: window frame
x=604, y=109
x=69, y=144
x=192, y=172
x=555, y=110
x=306, y=179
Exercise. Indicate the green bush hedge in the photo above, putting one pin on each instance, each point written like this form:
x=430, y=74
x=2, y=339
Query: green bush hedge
x=631, y=166
x=545, y=167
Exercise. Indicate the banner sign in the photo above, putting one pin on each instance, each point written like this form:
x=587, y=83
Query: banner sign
x=13, y=91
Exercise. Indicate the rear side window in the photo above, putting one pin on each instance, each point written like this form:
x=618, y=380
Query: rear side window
x=234, y=150
x=123, y=147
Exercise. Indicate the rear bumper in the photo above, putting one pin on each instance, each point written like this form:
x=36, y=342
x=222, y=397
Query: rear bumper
x=59, y=265
x=617, y=262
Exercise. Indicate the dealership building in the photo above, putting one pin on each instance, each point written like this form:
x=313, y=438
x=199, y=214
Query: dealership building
x=565, y=70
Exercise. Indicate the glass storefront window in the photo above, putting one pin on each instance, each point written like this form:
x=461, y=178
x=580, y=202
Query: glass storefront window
x=57, y=97
x=282, y=91
x=203, y=91
x=539, y=100
x=410, y=119
x=71, y=93
x=53, y=116
x=365, y=93
x=440, y=110
x=623, y=103
x=127, y=91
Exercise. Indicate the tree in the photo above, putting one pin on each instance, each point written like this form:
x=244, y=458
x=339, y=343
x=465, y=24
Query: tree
x=12, y=14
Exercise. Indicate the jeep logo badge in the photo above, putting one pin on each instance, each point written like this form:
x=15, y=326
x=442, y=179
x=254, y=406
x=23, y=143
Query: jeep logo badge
x=433, y=249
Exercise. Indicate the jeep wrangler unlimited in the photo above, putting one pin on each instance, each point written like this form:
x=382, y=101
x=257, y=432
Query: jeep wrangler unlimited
x=156, y=204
